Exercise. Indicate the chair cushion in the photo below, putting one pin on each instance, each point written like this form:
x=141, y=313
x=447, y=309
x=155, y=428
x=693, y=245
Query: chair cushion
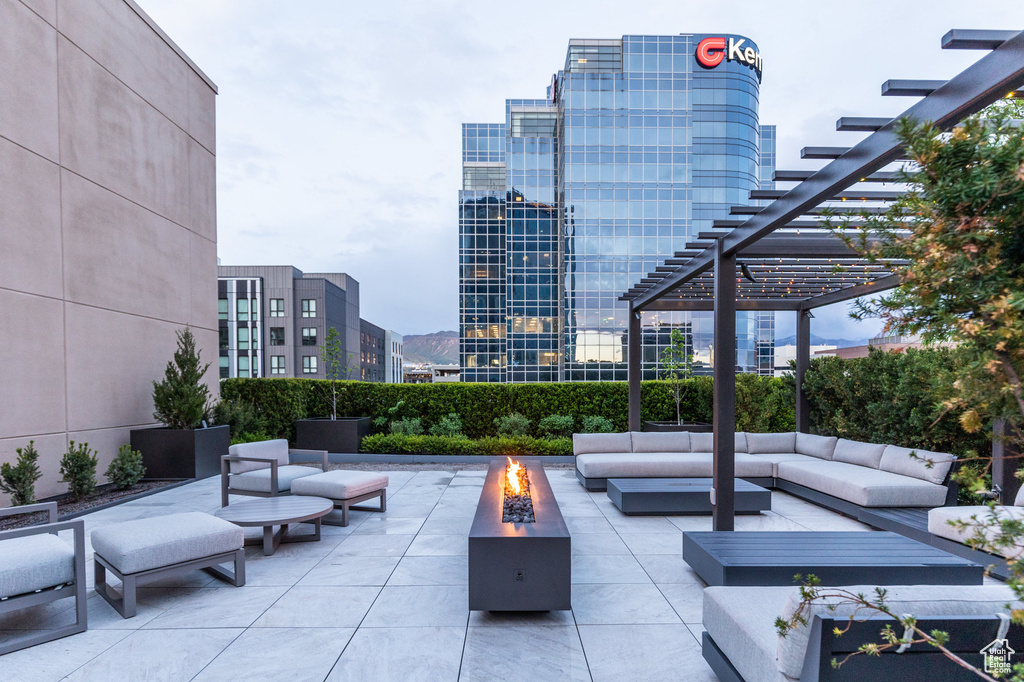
x=259, y=480
x=140, y=545
x=705, y=442
x=771, y=442
x=778, y=457
x=919, y=600
x=822, y=447
x=660, y=441
x=741, y=620
x=601, y=442
x=268, y=449
x=665, y=465
x=856, y=452
x=340, y=485
x=898, y=461
x=939, y=518
x=863, y=486
x=34, y=562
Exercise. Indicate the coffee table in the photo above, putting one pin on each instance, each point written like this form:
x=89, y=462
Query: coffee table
x=837, y=558
x=663, y=496
x=278, y=511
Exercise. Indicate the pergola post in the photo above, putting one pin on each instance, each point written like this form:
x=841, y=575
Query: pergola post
x=724, y=490
x=633, y=368
x=1005, y=462
x=803, y=363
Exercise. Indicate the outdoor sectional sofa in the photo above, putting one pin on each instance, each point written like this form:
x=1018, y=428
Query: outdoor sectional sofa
x=835, y=472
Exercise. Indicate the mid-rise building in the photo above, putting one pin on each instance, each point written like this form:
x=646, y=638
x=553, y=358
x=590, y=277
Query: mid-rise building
x=640, y=143
x=371, y=352
x=392, y=357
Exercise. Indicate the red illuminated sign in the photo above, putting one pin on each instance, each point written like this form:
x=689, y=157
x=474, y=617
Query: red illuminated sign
x=713, y=51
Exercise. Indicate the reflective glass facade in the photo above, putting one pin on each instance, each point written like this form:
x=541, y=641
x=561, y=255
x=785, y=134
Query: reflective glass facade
x=636, y=148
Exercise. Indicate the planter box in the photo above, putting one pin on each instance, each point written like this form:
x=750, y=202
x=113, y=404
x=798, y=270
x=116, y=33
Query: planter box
x=519, y=566
x=178, y=453
x=692, y=427
x=333, y=435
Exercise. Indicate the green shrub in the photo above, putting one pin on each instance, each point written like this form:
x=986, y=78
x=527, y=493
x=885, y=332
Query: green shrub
x=407, y=426
x=461, y=446
x=596, y=424
x=241, y=416
x=513, y=424
x=450, y=425
x=20, y=480
x=182, y=399
x=126, y=468
x=249, y=437
x=556, y=426
x=78, y=470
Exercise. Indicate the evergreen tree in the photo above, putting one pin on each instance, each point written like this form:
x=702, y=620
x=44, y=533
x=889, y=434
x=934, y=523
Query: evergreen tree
x=181, y=399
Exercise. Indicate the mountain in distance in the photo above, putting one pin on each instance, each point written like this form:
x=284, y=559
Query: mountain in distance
x=439, y=348
x=820, y=341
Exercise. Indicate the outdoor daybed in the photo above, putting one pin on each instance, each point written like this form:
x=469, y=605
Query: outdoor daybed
x=741, y=644
x=839, y=473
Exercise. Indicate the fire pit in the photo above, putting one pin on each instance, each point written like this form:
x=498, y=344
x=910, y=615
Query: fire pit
x=519, y=546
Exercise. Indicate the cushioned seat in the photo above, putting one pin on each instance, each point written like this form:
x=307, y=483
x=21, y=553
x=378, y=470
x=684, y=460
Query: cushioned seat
x=741, y=620
x=259, y=480
x=35, y=562
x=665, y=465
x=144, y=544
x=863, y=485
x=340, y=485
x=777, y=457
x=939, y=518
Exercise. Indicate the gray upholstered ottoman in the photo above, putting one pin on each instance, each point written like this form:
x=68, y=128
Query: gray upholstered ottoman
x=345, y=488
x=147, y=549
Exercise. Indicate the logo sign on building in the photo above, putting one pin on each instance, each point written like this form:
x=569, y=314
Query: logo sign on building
x=713, y=51
x=997, y=657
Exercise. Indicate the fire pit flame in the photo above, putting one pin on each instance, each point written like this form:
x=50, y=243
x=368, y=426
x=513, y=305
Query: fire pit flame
x=518, y=504
x=512, y=474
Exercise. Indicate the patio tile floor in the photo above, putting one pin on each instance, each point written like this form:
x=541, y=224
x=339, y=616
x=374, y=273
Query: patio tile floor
x=386, y=599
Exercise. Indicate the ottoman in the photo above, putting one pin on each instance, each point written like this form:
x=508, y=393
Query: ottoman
x=149, y=549
x=345, y=488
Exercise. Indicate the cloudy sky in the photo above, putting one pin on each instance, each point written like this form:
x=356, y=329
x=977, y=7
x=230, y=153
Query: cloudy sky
x=338, y=122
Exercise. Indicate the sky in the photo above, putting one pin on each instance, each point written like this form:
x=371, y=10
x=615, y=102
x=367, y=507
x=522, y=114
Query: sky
x=339, y=122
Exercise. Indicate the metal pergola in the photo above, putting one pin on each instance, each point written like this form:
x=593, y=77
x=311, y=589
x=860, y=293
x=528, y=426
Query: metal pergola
x=779, y=258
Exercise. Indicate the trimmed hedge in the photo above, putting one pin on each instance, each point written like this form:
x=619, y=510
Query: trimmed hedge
x=387, y=444
x=762, y=403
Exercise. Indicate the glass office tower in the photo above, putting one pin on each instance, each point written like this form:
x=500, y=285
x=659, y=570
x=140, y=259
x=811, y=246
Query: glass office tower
x=637, y=147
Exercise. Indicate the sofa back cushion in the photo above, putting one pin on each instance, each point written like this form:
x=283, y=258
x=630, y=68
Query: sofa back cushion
x=771, y=443
x=268, y=449
x=919, y=600
x=660, y=441
x=1019, y=500
x=822, y=447
x=583, y=443
x=897, y=460
x=856, y=452
x=705, y=442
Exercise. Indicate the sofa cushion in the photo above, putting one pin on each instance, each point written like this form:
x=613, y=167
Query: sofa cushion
x=919, y=600
x=939, y=518
x=822, y=447
x=660, y=441
x=1018, y=501
x=771, y=442
x=34, y=562
x=777, y=458
x=741, y=620
x=267, y=449
x=898, y=461
x=259, y=481
x=863, y=486
x=856, y=452
x=339, y=484
x=583, y=443
x=140, y=545
x=665, y=465
x=705, y=442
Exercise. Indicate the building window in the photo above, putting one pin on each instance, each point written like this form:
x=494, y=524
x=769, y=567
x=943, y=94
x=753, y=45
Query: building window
x=222, y=309
x=277, y=307
x=254, y=309
x=225, y=368
x=277, y=336
x=243, y=338
x=309, y=364
x=243, y=365
x=243, y=309
x=309, y=307
x=223, y=338
x=277, y=364
x=309, y=336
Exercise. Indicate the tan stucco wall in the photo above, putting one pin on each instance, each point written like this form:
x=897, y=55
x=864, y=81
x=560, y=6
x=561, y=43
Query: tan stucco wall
x=108, y=222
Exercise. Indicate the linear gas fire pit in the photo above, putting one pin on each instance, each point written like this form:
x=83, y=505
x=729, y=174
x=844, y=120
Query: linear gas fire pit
x=519, y=565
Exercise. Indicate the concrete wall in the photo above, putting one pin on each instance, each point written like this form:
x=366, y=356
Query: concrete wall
x=108, y=225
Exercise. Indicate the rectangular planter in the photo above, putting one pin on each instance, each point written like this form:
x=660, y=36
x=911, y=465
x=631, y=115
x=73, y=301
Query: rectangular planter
x=333, y=435
x=181, y=453
x=519, y=566
x=692, y=427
